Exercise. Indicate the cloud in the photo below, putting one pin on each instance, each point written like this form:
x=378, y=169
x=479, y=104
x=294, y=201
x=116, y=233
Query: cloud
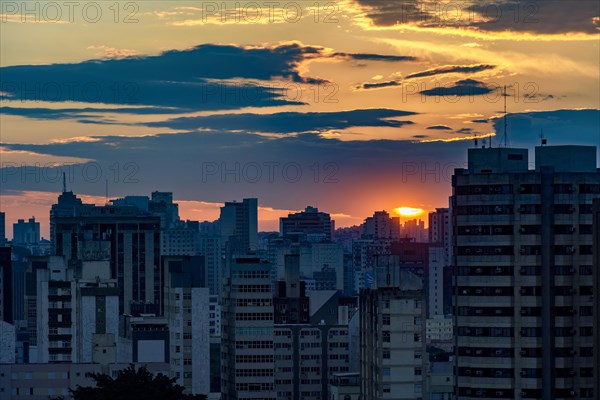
x=465, y=87
x=104, y=51
x=440, y=127
x=476, y=17
x=481, y=121
x=378, y=85
x=373, y=57
x=448, y=69
x=85, y=112
x=205, y=77
x=289, y=122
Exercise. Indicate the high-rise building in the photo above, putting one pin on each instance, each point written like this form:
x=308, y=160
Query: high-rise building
x=26, y=233
x=596, y=275
x=2, y=228
x=381, y=226
x=523, y=273
x=247, y=368
x=123, y=234
x=392, y=333
x=308, y=224
x=72, y=312
x=187, y=307
x=239, y=226
x=6, y=285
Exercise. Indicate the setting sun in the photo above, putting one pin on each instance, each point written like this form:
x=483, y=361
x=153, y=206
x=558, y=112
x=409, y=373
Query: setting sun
x=408, y=211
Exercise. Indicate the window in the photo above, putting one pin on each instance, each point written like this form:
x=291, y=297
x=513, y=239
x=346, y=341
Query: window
x=386, y=354
x=385, y=319
x=386, y=336
x=387, y=371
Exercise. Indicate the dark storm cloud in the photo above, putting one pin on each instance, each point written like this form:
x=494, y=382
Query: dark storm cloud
x=289, y=122
x=447, y=69
x=465, y=87
x=440, y=127
x=86, y=112
x=536, y=16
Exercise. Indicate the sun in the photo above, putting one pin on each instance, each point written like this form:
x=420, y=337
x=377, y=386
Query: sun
x=409, y=211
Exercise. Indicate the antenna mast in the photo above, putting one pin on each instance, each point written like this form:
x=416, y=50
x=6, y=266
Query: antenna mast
x=506, y=144
x=64, y=183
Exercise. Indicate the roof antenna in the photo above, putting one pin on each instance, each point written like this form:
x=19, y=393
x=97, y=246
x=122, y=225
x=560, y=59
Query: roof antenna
x=106, y=191
x=506, y=143
x=64, y=183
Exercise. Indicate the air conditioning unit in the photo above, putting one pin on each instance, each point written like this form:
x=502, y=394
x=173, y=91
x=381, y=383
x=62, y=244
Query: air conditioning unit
x=522, y=230
x=523, y=291
x=523, y=373
x=573, y=352
x=523, y=352
x=572, y=372
x=571, y=250
x=572, y=229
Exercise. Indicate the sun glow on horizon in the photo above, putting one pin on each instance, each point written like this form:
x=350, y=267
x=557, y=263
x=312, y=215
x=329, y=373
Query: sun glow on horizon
x=408, y=211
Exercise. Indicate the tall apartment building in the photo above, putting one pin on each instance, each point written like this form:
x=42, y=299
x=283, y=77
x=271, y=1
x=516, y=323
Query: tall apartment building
x=415, y=229
x=2, y=228
x=306, y=224
x=187, y=308
x=6, y=285
x=523, y=277
x=72, y=314
x=381, y=226
x=596, y=274
x=124, y=235
x=392, y=334
x=26, y=233
x=239, y=226
x=247, y=368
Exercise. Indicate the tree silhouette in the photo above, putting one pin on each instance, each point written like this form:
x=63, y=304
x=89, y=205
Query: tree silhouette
x=132, y=384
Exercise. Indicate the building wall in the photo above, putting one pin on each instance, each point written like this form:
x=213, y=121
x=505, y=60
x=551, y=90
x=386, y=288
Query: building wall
x=523, y=310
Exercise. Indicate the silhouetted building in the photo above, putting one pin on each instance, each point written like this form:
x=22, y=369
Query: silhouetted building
x=381, y=226
x=310, y=224
x=239, y=226
x=6, y=285
x=26, y=233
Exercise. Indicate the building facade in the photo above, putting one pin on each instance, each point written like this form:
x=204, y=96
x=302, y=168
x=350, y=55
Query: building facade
x=523, y=273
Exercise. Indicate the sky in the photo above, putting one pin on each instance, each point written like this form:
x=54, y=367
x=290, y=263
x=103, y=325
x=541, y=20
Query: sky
x=351, y=105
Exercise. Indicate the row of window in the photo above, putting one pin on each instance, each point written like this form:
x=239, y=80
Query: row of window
x=558, y=188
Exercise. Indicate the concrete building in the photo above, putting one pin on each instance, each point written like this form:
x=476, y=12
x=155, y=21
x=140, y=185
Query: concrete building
x=306, y=225
x=247, y=368
x=182, y=238
x=392, y=329
x=439, y=380
x=523, y=273
x=239, y=226
x=435, y=292
x=2, y=228
x=187, y=308
x=211, y=250
x=6, y=285
x=344, y=386
x=439, y=328
x=123, y=234
x=26, y=233
x=72, y=314
x=596, y=275
x=381, y=226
